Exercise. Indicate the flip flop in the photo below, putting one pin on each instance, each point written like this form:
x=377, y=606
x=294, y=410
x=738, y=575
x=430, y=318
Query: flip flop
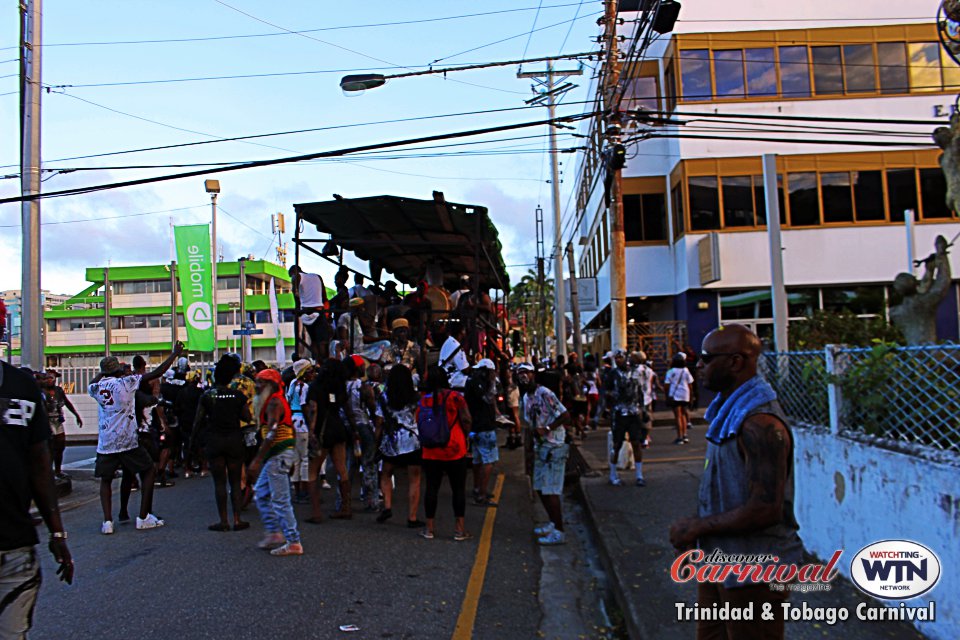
x=219, y=526
x=240, y=526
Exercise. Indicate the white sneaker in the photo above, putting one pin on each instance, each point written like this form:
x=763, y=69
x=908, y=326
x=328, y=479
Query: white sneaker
x=107, y=527
x=616, y=482
x=150, y=522
x=545, y=529
x=325, y=485
x=552, y=538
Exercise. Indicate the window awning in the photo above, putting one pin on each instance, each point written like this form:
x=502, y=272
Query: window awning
x=404, y=236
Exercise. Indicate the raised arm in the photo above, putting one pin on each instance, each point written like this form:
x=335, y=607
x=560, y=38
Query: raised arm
x=159, y=371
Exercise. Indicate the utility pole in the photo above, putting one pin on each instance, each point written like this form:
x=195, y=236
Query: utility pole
x=31, y=327
x=618, y=274
x=246, y=347
x=107, y=300
x=173, y=303
x=552, y=90
x=574, y=303
x=213, y=188
x=778, y=292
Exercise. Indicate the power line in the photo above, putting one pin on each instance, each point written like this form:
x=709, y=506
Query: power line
x=101, y=218
x=569, y=30
x=536, y=17
x=855, y=143
x=300, y=158
x=298, y=31
x=294, y=131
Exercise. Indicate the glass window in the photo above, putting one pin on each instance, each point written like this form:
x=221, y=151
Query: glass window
x=695, y=74
x=654, y=217
x=759, y=196
x=837, y=197
x=740, y=304
x=801, y=303
x=892, y=59
x=761, y=72
x=933, y=194
x=728, y=73
x=134, y=322
x=737, y=201
x=804, y=204
x=641, y=93
x=670, y=78
x=924, y=66
x=859, y=300
x=794, y=72
x=679, y=222
x=226, y=318
x=51, y=325
x=704, y=203
x=827, y=71
x=901, y=192
x=632, y=218
x=859, y=70
x=228, y=282
x=951, y=72
x=868, y=195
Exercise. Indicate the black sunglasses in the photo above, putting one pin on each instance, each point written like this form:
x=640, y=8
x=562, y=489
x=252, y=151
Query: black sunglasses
x=707, y=358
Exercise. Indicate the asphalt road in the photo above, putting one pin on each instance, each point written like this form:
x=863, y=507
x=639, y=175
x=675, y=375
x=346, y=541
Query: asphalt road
x=185, y=582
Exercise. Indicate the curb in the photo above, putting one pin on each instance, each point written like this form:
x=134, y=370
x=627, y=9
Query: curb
x=630, y=616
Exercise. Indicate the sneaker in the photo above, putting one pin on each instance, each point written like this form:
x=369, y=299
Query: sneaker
x=123, y=518
x=686, y=439
x=552, y=538
x=678, y=441
x=271, y=541
x=544, y=529
x=385, y=515
x=289, y=549
x=150, y=522
x=426, y=534
x=641, y=482
x=107, y=527
x=616, y=482
x=460, y=536
x=325, y=485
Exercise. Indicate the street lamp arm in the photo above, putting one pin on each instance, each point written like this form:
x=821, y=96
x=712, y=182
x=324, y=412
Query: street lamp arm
x=372, y=80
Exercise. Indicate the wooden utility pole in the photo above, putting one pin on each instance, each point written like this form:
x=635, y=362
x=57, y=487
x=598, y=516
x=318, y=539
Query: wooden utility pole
x=618, y=275
x=575, y=303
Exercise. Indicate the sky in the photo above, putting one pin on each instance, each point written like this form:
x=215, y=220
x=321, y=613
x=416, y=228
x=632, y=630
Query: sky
x=109, y=91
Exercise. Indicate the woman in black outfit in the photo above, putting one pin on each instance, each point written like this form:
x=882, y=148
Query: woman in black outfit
x=218, y=423
x=326, y=402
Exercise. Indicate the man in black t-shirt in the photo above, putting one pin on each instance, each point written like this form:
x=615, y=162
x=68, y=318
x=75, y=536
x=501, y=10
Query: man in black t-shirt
x=25, y=474
x=481, y=396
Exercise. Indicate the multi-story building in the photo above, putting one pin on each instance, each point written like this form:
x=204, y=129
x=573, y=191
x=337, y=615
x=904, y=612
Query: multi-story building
x=846, y=95
x=12, y=301
x=142, y=302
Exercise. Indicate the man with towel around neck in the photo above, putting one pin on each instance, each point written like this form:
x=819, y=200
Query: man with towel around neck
x=745, y=503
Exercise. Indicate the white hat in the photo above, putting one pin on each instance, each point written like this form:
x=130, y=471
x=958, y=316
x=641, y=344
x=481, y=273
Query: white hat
x=525, y=366
x=486, y=363
x=300, y=366
x=608, y=355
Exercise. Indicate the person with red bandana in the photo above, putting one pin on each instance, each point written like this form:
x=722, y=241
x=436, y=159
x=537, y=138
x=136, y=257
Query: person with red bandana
x=272, y=466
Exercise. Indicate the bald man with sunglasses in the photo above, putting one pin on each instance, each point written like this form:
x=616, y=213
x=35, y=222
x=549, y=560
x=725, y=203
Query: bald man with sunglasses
x=745, y=503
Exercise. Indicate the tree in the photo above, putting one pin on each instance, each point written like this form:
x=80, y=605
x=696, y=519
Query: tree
x=524, y=307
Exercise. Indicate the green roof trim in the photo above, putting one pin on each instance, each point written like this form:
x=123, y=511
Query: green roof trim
x=144, y=347
x=162, y=271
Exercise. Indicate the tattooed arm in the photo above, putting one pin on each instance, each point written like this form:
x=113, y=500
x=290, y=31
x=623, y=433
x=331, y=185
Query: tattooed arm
x=765, y=445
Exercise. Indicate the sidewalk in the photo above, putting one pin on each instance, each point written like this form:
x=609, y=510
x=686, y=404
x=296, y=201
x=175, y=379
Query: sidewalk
x=631, y=526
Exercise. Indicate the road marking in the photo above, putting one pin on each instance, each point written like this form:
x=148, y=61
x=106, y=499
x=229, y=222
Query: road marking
x=468, y=610
x=687, y=459
x=81, y=464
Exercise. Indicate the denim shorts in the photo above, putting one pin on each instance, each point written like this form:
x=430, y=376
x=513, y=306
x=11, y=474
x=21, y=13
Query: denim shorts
x=549, y=466
x=485, y=449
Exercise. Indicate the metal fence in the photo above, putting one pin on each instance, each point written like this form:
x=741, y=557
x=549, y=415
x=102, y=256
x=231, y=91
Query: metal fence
x=901, y=394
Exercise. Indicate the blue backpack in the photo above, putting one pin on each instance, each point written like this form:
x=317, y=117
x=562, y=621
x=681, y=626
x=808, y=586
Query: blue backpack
x=432, y=424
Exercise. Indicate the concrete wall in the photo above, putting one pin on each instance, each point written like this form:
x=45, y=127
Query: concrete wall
x=850, y=494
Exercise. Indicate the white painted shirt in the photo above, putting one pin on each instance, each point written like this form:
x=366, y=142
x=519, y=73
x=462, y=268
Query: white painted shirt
x=117, y=419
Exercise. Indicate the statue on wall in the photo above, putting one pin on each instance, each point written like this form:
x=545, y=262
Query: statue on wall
x=916, y=316
x=948, y=139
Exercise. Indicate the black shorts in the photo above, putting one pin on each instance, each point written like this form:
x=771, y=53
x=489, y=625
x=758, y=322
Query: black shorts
x=134, y=460
x=676, y=403
x=578, y=408
x=412, y=459
x=225, y=445
x=628, y=424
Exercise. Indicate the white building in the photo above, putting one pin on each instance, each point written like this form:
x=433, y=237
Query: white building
x=844, y=184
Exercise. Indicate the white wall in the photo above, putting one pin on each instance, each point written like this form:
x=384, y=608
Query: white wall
x=850, y=494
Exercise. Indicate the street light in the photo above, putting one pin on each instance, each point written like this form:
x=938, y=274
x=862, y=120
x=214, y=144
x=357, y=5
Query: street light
x=362, y=82
x=213, y=188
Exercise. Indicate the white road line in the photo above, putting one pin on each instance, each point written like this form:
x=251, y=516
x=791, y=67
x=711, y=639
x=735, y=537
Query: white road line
x=81, y=464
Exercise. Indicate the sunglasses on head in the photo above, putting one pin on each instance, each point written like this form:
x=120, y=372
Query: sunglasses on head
x=707, y=358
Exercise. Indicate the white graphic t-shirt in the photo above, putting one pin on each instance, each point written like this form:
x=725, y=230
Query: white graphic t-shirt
x=118, y=422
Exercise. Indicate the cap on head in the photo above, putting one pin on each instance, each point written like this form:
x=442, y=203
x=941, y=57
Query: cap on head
x=525, y=366
x=109, y=364
x=183, y=365
x=356, y=302
x=300, y=367
x=400, y=323
x=608, y=355
x=272, y=376
x=486, y=363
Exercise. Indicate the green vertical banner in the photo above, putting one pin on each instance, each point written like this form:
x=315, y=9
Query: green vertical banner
x=196, y=284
